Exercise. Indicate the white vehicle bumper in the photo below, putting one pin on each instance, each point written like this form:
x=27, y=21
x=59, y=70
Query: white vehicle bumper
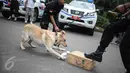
x=88, y=22
x=5, y=9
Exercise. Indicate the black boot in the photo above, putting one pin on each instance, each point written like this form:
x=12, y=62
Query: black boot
x=97, y=56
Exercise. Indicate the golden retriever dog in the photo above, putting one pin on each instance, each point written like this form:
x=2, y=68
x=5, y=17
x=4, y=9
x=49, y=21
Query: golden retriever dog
x=42, y=37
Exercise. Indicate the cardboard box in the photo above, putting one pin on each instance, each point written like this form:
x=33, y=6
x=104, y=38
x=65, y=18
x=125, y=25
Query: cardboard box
x=77, y=58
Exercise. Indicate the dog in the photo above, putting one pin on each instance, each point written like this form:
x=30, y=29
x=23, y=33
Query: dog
x=42, y=37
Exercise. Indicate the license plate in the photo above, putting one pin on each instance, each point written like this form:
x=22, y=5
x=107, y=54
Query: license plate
x=75, y=17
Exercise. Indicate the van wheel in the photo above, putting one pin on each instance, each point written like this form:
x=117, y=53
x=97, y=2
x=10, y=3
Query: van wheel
x=5, y=14
x=35, y=15
x=91, y=32
x=62, y=25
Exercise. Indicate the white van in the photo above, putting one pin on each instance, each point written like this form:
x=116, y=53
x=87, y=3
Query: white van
x=80, y=13
x=39, y=8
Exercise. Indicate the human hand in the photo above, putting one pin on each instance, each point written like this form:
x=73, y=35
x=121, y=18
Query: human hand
x=56, y=28
x=113, y=13
x=121, y=8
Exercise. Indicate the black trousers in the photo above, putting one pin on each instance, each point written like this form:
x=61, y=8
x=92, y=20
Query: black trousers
x=14, y=10
x=44, y=23
x=108, y=35
x=1, y=4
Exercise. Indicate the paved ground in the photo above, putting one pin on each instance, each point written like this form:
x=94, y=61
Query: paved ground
x=37, y=60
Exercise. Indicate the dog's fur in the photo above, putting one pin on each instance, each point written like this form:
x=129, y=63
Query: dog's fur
x=33, y=33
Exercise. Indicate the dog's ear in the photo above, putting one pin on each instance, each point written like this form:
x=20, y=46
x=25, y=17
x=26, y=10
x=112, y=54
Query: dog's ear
x=63, y=32
x=59, y=30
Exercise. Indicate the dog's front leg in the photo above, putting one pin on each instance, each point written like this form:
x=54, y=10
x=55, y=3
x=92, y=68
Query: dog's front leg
x=24, y=38
x=58, y=48
x=55, y=53
x=21, y=44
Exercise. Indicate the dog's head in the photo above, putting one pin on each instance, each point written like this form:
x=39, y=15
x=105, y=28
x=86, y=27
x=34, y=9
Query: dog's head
x=61, y=38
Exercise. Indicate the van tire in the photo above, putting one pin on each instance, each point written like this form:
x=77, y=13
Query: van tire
x=91, y=32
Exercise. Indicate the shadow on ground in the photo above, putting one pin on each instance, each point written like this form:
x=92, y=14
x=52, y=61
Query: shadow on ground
x=36, y=52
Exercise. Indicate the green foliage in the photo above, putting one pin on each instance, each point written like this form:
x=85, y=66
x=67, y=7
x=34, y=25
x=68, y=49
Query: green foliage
x=67, y=1
x=102, y=21
x=109, y=4
x=103, y=17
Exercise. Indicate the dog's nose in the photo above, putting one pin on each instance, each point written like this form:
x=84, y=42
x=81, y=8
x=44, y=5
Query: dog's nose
x=66, y=46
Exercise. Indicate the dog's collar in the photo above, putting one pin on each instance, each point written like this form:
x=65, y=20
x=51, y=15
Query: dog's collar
x=55, y=44
x=56, y=33
x=56, y=36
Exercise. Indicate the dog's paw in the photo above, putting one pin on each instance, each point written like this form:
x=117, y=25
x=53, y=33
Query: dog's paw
x=21, y=46
x=62, y=49
x=62, y=57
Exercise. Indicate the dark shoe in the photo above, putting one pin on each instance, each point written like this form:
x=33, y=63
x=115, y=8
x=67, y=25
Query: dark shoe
x=97, y=56
x=127, y=72
x=9, y=17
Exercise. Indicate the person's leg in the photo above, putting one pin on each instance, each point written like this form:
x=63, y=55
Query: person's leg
x=31, y=15
x=11, y=12
x=45, y=21
x=26, y=15
x=1, y=4
x=16, y=13
x=119, y=38
x=125, y=50
x=41, y=21
x=107, y=37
